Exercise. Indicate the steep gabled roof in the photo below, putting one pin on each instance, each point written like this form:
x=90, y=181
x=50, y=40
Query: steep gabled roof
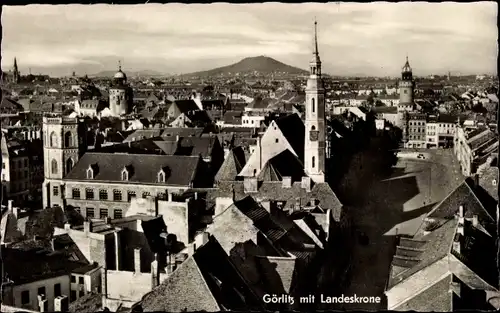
x=232, y=165
x=285, y=164
x=293, y=129
x=464, y=196
x=207, y=281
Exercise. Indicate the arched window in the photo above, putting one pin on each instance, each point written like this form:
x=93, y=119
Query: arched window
x=313, y=105
x=313, y=128
x=53, y=139
x=68, y=140
x=53, y=166
x=69, y=165
x=313, y=162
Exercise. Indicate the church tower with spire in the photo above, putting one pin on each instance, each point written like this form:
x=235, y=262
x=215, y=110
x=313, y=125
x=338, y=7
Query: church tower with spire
x=406, y=86
x=315, y=137
x=15, y=73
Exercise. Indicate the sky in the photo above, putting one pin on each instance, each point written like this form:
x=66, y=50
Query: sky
x=354, y=38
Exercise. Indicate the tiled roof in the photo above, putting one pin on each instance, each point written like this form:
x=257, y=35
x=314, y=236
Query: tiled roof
x=186, y=105
x=386, y=110
x=189, y=146
x=143, y=134
x=180, y=170
x=232, y=165
x=196, y=285
x=232, y=117
x=278, y=228
x=89, y=303
x=182, y=132
x=435, y=246
x=27, y=266
x=283, y=164
x=489, y=180
x=322, y=193
x=465, y=196
x=433, y=299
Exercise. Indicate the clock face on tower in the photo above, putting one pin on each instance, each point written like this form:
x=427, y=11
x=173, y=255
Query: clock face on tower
x=313, y=135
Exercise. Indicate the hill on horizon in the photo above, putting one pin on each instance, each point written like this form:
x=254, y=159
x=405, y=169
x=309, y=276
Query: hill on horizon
x=261, y=64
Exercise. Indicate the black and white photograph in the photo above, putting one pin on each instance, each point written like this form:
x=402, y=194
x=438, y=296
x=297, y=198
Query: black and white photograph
x=259, y=157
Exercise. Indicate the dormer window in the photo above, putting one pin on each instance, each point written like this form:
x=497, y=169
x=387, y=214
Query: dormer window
x=127, y=172
x=161, y=177
x=124, y=174
x=92, y=171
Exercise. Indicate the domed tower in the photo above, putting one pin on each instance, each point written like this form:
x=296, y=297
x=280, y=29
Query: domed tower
x=120, y=94
x=406, y=86
x=315, y=137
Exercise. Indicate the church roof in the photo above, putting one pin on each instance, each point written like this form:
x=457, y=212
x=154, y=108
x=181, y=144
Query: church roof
x=293, y=129
x=282, y=165
x=232, y=165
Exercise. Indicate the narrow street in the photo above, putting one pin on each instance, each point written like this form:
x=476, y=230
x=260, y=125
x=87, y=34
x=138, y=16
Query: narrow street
x=385, y=205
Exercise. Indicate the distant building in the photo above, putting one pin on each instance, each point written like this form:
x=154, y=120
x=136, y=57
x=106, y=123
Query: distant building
x=120, y=95
x=15, y=170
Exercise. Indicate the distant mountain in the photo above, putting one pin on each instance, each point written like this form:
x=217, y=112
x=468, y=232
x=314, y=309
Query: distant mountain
x=261, y=64
x=144, y=73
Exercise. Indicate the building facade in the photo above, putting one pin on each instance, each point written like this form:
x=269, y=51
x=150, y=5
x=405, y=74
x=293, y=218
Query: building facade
x=315, y=137
x=15, y=171
x=416, y=130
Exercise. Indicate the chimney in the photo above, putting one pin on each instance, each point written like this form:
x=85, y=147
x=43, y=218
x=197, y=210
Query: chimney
x=87, y=226
x=456, y=245
x=10, y=205
x=52, y=244
x=137, y=260
x=196, y=195
x=461, y=211
x=15, y=211
x=169, y=194
x=306, y=183
x=67, y=226
x=155, y=273
x=287, y=182
x=43, y=304
x=118, y=251
x=476, y=180
x=475, y=220
x=297, y=204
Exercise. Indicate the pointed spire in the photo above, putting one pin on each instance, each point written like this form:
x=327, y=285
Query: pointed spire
x=316, y=52
x=119, y=65
x=15, y=62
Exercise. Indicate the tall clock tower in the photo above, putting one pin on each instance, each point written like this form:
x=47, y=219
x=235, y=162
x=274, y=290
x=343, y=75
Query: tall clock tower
x=315, y=137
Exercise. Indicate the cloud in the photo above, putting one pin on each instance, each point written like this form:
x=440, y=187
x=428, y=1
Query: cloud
x=374, y=36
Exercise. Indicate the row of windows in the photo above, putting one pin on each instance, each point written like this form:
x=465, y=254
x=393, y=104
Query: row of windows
x=103, y=213
x=54, y=167
x=417, y=130
x=417, y=123
x=25, y=295
x=68, y=139
x=103, y=194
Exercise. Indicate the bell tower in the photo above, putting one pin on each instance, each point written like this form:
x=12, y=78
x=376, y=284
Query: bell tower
x=63, y=144
x=315, y=137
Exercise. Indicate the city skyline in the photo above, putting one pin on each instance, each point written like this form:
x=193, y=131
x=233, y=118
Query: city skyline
x=354, y=39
